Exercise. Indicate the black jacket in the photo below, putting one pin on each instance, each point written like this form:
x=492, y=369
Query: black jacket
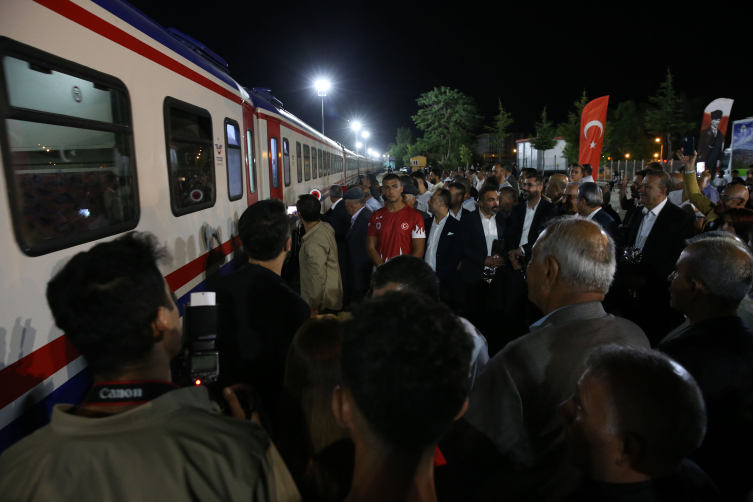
x=475, y=251
x=449, y=250
x=608, y=224
x=514, y=231
x=358, y=262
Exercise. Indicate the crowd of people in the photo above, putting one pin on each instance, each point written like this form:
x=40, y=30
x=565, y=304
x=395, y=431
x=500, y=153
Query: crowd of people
x=467, y=335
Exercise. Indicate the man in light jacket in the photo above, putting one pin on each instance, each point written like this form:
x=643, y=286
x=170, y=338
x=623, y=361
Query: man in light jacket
x=321, y=285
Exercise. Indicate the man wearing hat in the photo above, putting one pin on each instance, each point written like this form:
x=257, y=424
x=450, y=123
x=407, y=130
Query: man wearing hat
x=357, y=269
x=410, y=192
x=711, y=143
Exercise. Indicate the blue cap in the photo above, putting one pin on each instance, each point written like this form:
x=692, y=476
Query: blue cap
x=355, y=193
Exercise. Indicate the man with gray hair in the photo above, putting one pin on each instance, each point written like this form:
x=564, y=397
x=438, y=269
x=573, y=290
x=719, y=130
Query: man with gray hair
x=514, y=401
x=568, y=203
x=589, y=203
x=713, y=275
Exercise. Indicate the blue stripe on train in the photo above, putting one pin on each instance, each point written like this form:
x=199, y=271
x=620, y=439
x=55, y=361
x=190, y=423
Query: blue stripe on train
x=73, y=390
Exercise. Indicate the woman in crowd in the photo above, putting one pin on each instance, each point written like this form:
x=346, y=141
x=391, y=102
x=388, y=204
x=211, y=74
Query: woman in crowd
x=315, y=448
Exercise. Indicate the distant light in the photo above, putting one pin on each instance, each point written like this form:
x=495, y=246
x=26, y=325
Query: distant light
x=365, y=134
x=658, y=140
x=369, y=150
x=627, y=155
x=322, y=86
x=656, y=155
x=356, y=126
x=358, y=145
x=198, y=382
x=514, y=150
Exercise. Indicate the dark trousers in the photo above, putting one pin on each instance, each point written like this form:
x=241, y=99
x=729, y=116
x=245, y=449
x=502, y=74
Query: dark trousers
x=485, y=309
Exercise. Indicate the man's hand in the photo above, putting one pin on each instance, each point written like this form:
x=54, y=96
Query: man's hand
x=236, y=410
x=494, y=261
x=514, y=255
x=687, y=160
x=314, y=311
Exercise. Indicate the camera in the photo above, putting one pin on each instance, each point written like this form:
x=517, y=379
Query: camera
x=200, y=337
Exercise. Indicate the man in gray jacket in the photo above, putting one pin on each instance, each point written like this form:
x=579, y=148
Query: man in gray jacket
x=514, y=401
x=321, y=284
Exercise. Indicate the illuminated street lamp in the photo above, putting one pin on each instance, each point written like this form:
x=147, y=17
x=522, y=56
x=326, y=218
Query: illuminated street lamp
x=627, y=155
x=365, y=134
x=658, y=140
x=358, y=145
x=322, y=86
x=356, y=126
x=656, y=155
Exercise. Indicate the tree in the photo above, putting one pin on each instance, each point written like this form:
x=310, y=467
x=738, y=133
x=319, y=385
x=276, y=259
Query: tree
x=466, y=155
x=628, y=133
x=666, y=116
x=447, y=117
x=399, y=149
x=544, y=139
x=499, y=130
x=570, y=130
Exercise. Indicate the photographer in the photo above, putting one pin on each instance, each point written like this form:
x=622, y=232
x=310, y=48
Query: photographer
x=136, y=436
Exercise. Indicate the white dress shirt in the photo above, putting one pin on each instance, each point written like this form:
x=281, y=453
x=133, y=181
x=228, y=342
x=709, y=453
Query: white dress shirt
x=647, y=224
x=373, y=204
x=470, y=204
x=457, y=216
x=431, y=246
x=587, y=179
x=334, y=204
x=530, y=213
x=490, y=231
x=423, y=200
x=353, y=218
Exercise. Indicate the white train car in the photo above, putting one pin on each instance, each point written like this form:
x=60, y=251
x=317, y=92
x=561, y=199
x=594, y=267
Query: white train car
x=110, y=123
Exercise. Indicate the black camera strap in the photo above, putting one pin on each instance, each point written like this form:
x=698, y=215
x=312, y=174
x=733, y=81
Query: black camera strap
x=135, y=392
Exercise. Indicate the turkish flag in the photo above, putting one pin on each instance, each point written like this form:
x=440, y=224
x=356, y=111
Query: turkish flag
x=592, y=129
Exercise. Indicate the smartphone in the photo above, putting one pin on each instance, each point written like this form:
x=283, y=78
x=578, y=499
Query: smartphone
x=688, y=145
x=700, y=167
x=498, y=247
x=292, y=210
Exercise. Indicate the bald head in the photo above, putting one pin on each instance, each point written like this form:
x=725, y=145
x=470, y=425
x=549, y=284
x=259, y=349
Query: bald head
x=583, y=251
x=556, y=186
x=737, y=191
x=733, y=197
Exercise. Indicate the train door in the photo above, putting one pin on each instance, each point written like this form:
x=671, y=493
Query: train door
x=275, y=158
x=250, y=147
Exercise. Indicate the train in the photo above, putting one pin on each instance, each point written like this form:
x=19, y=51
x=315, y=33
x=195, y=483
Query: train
x=111, y=123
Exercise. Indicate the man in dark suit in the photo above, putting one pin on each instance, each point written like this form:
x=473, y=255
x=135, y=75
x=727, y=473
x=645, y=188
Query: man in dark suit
x=335, y=195
x=713, y=275
x=480, y=271
x=337, y=216
x=711, y=143
x=259, y=313
x=444, y=248
x=590, y=199
x=357, y=260
x=524, y=225
x=514, y=401
x=659, y=230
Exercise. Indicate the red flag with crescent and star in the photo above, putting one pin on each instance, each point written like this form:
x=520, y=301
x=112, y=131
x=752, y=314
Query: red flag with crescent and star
x=592, y=122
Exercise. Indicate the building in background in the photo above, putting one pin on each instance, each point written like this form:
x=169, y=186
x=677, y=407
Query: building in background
x=551, y=160
x=490, y=149
x=417, y=163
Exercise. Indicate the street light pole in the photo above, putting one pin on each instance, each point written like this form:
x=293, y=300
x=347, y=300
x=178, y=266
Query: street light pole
x=322, y=86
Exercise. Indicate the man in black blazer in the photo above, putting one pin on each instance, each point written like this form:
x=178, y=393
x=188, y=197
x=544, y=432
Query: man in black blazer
x=444, y=248
x=590, y=198
x=337, y=216
x=713, y=275
x=659, y=230
x=526, y=221
x=482, y=269
x=357, y=261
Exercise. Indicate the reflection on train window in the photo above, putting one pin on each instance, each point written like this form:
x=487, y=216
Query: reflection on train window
x=313, y=161
x=286, y=161
x=274, y=162
x=251, y=152
x=190, y=156
x=321, y=169
x=298, y=161
x=306, y=163
x=68, y=153
x=234, y=167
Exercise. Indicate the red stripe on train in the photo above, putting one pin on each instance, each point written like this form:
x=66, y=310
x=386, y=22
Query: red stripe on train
x=195, y=268
x=81, y=16
x=33, y=369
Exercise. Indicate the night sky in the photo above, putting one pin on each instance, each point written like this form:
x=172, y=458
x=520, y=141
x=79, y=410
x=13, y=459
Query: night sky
x=381, y=56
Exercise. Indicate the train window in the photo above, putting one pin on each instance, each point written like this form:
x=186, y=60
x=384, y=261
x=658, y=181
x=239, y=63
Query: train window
x=251, y=152
x=326, y=163
x=306, y=163
x=286, y=161
x=298, y=161
x=313, y=162
x=190, y=158
x=68, y=154
x=274, y=162
x=321, y=168
x=234, y=160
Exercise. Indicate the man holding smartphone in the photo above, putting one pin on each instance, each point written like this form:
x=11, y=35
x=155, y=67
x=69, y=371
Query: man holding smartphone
x=483, y=254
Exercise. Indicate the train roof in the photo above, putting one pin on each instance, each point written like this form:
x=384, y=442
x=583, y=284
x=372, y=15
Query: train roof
x=199, y=54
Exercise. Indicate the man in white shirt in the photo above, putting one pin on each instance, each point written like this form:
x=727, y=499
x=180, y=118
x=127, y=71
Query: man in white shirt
x=587, y=170
x=481, y=177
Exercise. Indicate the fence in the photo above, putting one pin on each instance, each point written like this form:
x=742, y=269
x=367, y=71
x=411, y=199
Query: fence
x=628, y=168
